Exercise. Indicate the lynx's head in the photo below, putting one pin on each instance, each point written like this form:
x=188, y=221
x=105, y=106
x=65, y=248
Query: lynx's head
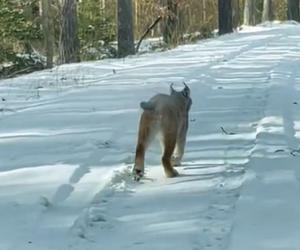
x=183, y=95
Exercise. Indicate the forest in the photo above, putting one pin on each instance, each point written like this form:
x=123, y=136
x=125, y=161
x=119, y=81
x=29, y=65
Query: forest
x=38, y=34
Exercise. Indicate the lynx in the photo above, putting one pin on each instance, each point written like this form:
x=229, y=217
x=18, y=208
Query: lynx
x=166, y=115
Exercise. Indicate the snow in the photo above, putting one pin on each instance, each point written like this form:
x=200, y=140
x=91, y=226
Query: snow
x=273, y=220
x=67, y=141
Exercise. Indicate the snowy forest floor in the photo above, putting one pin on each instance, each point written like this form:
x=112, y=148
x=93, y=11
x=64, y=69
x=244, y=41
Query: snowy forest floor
x=67, y=141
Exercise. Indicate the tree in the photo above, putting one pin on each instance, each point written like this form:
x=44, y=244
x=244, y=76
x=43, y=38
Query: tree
x=68, y=41
x=293, y=10
x=125, y=28
x=95, y=22
x=17, y=31
x=170, y=24
x=204, y=11
x=235, y=13
x=225, y=16
x=48, y=28
x=267, y=11
x=279, y=10
x=249, y=13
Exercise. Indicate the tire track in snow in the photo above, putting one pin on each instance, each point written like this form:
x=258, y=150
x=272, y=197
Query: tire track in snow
x=278, y=126
x=226, y=181
x=273, y=173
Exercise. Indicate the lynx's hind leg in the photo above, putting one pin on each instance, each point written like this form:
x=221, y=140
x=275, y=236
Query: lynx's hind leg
x=180, y=145
x=179, y=151
x=145, y=135
x=169, y=141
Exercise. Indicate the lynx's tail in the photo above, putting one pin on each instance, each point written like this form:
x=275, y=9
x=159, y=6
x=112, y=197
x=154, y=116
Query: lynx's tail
x=147, y=106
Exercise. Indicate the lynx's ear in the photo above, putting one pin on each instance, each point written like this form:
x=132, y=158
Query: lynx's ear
x=186, y=91
x=171, y=89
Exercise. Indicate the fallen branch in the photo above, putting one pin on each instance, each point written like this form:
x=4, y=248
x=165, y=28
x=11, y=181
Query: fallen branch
x=227, y=133
x=279, y=151
x=6, y=110
x=21, y=71
x=147, y=32
x=26, y=70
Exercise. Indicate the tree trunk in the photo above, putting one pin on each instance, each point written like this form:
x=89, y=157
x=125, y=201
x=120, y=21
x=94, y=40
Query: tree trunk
x=125, y=28
x=225, y=16
x=249, y=12
x=236, y=14
x=170, y=22
x=69, y=42
x=267, y=11
x=293, y=10
x=48, y=29
x=204, y=11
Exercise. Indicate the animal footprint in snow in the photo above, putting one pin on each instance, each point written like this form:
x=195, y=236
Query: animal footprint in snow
x=96, y=215
x=79, y=173
x=105, y=144
x=62, y=193
x=44, y=201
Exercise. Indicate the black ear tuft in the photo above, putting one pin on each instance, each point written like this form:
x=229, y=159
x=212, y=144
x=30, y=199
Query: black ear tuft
x=186, y=91
x=185, y=86
x=171, y=88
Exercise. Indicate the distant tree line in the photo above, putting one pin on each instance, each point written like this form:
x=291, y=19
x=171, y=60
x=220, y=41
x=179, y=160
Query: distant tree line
x=66, y=31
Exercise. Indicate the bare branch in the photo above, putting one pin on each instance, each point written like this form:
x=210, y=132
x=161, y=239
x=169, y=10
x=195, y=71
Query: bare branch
x=157, y=20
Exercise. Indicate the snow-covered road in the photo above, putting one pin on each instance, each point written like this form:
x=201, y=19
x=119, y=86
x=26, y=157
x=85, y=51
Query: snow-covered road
x=67, y=141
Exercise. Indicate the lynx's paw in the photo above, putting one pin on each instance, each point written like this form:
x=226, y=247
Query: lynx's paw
x=137, y=174
x=172, y=173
